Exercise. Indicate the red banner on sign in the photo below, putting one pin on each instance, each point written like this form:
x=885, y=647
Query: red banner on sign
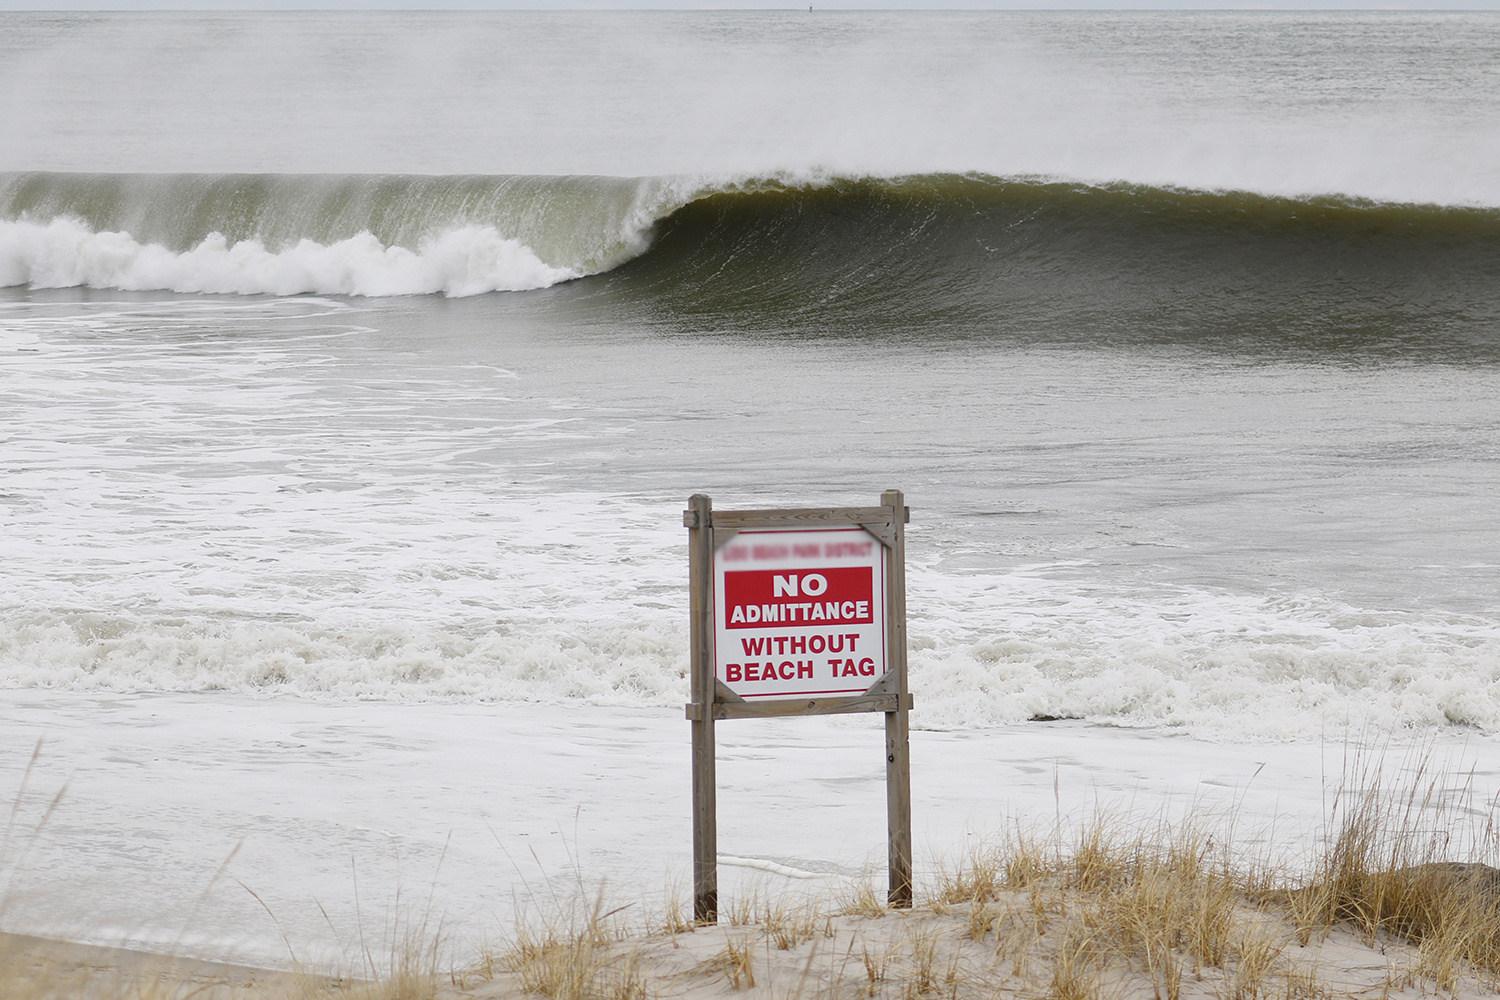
x=773, y=598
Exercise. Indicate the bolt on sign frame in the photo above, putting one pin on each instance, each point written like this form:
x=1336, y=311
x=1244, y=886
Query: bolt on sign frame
x=839, y=569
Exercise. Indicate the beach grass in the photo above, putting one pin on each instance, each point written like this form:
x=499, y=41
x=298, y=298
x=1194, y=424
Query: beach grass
x=1400, y=901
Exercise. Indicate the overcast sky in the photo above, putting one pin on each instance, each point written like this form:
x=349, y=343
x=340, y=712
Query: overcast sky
x=18, y=5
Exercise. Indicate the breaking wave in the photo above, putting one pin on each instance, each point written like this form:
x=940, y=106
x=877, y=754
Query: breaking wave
x=940, y=250
x=1248, y=670
x=470, y=260
x=331, y=235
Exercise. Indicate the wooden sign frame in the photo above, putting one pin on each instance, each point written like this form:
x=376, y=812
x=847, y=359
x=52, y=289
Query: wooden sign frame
x=709, y=530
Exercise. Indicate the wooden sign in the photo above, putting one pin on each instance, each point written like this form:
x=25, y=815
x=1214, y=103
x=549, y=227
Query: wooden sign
x=797, y=612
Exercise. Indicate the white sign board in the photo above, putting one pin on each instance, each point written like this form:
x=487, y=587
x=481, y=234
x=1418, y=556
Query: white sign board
x=799, y=613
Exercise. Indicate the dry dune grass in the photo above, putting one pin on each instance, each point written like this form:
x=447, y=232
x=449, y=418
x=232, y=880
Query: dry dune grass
x=1101, y=910
x=1392, y=870
x=1398, y=905
x=1094, y=919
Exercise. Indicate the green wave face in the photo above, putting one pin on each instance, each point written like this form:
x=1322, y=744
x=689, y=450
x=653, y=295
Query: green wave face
x=1058, y=263
x=934, y=256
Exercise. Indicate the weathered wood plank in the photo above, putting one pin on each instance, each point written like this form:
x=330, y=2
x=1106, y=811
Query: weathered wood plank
x=897, y=733
x=807, y=706
x=702, y=682
x=723, y=692
x=795, y=517
x=806, y=517
x=886, y=685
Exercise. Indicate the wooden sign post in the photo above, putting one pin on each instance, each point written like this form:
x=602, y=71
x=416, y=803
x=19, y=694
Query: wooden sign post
x=797, y=612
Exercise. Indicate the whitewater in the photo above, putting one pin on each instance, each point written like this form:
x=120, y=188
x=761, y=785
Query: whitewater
x=355, y=369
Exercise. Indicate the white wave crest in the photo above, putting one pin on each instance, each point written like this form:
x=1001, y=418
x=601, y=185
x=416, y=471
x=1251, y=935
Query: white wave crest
x=471, y=260
x=1268, y=677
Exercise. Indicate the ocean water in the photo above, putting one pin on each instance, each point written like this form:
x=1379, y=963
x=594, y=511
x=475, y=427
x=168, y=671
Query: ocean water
x=353, y=358
x=373, y=355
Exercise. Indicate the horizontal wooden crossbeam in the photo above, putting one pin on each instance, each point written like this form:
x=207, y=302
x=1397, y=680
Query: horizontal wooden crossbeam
x=805, y=517
x=800, y=706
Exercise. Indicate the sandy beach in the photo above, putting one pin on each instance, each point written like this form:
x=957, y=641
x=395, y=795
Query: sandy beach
x=32, y=968
x=697, y=964
x=287, y=833
x=1100, y=919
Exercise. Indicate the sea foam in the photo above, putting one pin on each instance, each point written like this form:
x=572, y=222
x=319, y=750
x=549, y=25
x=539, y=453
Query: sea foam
x=1240, y=669
x=469, y=260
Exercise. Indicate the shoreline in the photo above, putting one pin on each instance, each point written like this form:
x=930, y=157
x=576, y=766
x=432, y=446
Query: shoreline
x=341, y=816
x=43, y=967
x=1099, y=919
